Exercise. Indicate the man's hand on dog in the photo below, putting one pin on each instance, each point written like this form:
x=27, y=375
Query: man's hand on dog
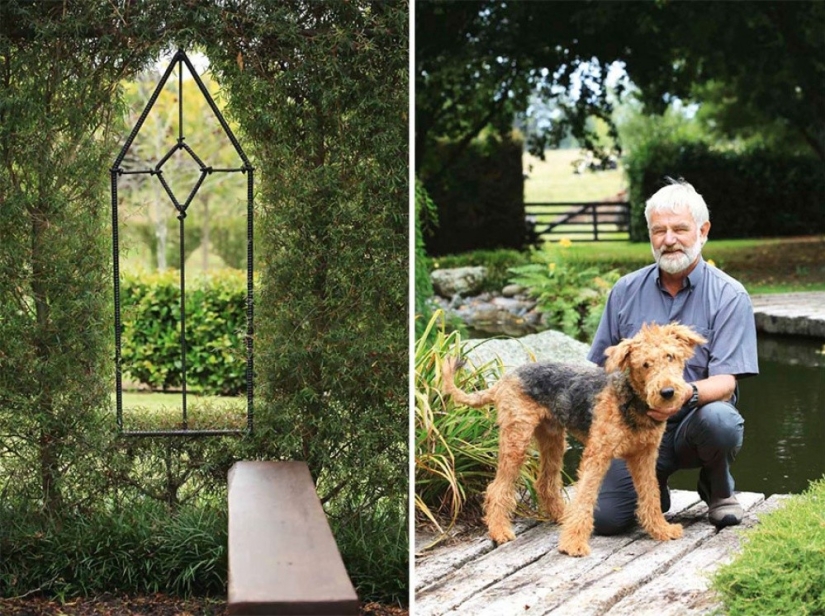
x=665, y=414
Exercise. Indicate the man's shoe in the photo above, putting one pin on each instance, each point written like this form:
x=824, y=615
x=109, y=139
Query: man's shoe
x=724, y=512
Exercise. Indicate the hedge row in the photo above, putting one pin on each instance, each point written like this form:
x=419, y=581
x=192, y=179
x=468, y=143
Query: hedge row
x=215, y=331
x=480, y=195
x=755, y=193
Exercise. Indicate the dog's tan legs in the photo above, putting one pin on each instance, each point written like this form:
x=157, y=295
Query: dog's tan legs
x=551, y=444
x=577, y=525
x=500, y=499
x=642, y=469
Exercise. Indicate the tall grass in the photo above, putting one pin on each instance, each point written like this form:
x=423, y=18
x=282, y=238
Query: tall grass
x=140, y=549
x=456, y=447
x=375, y=551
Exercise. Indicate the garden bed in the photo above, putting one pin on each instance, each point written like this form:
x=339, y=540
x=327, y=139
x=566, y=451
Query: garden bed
x=155, y=605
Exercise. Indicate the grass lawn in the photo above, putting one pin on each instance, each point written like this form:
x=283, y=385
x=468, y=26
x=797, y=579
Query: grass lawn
x=553, y=179
x=763, y=265
x=162, y=411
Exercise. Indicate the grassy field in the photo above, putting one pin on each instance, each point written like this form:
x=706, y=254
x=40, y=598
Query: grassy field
x=762, y=265
x=553, y=180
x=162, y=411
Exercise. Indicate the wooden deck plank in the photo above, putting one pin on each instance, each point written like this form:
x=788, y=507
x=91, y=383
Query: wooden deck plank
x=684, y=589
x=529, y=576
x=631, y=567
x=444, y=559
x=282, y=558
x=453, y=587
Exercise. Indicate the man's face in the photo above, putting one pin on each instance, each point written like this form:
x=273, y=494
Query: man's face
x=675, y=239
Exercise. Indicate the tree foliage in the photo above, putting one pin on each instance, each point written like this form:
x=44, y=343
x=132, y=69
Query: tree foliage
x=478, y=62
x=60, y=66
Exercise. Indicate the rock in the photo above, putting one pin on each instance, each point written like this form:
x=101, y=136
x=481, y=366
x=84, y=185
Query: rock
x=511, y=290
x=545, y=346
x=459, y=280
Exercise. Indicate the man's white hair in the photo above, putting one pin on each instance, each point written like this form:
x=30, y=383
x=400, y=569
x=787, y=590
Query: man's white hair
x=677, y=194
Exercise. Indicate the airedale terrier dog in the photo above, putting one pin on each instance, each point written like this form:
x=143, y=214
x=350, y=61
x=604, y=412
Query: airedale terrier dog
x=605, y=409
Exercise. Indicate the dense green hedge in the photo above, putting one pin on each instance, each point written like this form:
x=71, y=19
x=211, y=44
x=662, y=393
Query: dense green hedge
x=215, y=331
x=755, y=193
x=480, y=197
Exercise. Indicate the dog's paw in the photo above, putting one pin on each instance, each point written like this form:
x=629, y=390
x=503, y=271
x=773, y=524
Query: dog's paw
x=502, y=536
x=667, y=532
x=573, y=548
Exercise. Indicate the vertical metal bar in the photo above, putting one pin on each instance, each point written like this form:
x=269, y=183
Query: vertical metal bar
x=180, y=97
x=250, y=303
x=116, y=273
x=181, y=218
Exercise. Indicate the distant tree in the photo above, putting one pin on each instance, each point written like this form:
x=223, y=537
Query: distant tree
x=148, y=208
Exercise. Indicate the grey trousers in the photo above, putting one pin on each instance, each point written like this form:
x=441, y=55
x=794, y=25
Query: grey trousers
x=707, y=438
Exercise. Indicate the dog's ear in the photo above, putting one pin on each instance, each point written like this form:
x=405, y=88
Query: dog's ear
x=686, y=335
x=618, y=356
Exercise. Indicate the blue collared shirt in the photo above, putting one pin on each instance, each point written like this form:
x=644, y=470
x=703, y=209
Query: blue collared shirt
x=711, y=302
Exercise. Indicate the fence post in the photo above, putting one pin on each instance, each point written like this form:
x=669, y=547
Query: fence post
x=595, y=222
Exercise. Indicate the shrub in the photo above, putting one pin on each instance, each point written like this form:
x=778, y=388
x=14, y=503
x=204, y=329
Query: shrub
x=480, y=197
x=425, y=215
x=571, y=296
x=139, y=548
x=781, y=570
x=215, y=331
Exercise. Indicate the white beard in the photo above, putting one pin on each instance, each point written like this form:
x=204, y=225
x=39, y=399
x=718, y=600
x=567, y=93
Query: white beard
x=678, y=258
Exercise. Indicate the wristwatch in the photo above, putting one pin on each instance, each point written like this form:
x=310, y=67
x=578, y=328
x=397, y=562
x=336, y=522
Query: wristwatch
x=693, y=403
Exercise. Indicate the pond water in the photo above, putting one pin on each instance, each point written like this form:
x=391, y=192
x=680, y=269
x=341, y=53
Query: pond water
x=784, y=411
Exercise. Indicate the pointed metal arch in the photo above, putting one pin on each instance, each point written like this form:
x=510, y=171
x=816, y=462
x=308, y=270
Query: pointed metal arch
x=116, y=171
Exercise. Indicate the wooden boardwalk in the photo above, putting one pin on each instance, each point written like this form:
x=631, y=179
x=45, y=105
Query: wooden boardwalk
x=626, y=575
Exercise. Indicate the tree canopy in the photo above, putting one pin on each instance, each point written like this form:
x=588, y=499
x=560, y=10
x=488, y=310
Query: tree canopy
x=759, y=63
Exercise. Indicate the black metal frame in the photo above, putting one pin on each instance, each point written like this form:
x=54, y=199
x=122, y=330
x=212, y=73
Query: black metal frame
x=179, y=59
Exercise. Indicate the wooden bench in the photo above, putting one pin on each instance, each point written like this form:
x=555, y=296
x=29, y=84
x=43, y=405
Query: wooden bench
x=283, y=558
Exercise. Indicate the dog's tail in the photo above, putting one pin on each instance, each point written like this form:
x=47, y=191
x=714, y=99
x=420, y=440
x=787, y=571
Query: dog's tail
x=448, y=386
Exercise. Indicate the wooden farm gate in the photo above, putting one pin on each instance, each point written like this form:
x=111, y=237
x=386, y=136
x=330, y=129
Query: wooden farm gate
x=591, y=221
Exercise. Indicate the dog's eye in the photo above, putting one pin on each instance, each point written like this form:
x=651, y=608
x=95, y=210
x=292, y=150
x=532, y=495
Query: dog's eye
x=670, y=357
x=646, y=365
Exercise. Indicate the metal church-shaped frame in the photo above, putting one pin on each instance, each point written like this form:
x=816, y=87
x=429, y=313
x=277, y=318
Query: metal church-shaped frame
x=178, y=60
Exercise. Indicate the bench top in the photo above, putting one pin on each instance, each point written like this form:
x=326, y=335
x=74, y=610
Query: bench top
x=283, y=558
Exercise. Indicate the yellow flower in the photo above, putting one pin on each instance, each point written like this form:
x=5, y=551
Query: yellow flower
x=711, y=262
x=551, y=267
x=565, y=242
